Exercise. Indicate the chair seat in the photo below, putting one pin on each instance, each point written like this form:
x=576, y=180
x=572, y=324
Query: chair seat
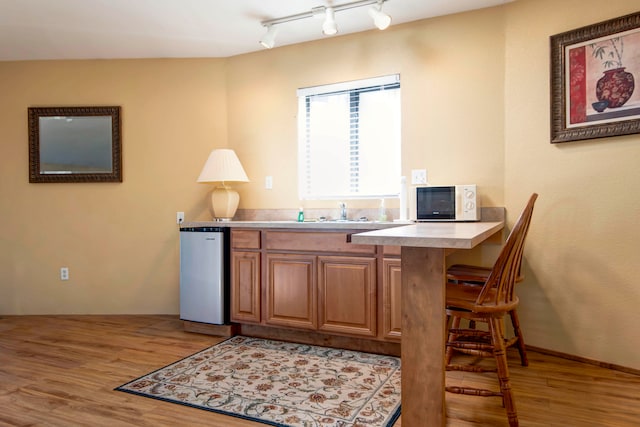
x=472, y=273
x=466, y=272
x=464, y=296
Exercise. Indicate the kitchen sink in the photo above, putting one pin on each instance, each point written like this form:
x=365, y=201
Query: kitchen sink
x=361, y=219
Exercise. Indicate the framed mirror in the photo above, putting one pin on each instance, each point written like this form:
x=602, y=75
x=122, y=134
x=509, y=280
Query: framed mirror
x=75, y=144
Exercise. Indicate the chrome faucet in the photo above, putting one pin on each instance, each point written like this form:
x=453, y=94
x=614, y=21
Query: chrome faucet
x=343, y=211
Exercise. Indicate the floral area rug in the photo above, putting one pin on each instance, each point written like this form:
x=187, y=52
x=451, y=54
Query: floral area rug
x=281, y=384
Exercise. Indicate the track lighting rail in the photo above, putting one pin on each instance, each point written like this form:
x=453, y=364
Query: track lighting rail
x=320, y=10
x=381, y=20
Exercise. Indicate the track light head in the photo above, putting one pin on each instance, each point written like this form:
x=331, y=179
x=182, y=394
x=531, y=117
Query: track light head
x=268, y=40
x=380, y=19
x=329, y=27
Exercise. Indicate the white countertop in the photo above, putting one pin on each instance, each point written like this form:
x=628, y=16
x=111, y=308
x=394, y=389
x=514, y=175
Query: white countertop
x=350, y=225
x=457, y=235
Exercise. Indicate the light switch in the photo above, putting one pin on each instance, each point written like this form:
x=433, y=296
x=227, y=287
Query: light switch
x=268, y=182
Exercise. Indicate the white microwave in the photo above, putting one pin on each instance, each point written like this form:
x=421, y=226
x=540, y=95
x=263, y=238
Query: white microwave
x=444, y=203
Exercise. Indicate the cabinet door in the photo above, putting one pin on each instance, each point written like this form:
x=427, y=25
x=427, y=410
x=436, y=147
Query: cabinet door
x=245, y=286
x=291, y=291
x=391, y=297
x=347, y=295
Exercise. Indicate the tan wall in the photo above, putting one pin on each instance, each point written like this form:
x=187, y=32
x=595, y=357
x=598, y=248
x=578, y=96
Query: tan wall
x=475, y=108
x=452, y=108
x=118, y=240
x=581, y=292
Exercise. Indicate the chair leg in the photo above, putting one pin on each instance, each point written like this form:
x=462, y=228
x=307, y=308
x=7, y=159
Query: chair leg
x=500, y=354
x=455, y=323
x=518, y=333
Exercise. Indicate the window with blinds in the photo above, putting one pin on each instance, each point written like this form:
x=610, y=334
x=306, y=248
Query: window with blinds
x=349, y=139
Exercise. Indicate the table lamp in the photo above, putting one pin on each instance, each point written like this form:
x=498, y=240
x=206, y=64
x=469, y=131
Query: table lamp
x=223, y=166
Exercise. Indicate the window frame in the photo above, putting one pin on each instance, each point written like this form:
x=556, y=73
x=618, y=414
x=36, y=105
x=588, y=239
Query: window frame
x=388, y=82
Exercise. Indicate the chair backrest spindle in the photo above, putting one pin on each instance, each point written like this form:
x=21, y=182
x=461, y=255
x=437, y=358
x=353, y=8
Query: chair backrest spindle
x=500, y=283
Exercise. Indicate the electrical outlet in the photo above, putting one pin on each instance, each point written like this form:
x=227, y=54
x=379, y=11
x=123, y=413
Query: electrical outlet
x=64, y=273
x=418, y=176
x=268, y=182
x=179, y=217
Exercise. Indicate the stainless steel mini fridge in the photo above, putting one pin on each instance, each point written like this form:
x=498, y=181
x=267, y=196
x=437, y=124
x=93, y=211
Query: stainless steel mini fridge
x=204, y=265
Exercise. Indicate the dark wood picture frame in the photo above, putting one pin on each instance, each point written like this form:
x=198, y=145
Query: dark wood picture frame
x=579, y=106
x=98, y=135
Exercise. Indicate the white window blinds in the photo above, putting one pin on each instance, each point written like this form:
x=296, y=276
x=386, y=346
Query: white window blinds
x=349, y=139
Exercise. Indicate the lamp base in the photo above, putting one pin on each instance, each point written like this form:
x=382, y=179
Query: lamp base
x=224, y=201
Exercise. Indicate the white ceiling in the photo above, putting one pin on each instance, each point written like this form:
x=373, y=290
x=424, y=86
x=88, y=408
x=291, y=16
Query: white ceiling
x=84, y=29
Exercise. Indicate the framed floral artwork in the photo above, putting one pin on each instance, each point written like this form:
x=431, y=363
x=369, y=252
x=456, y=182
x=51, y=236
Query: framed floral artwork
x=595, y=72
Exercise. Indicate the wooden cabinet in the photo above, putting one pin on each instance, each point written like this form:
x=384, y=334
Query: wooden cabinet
x=315, y=280
x=391, y=298
x=308, y=287
x=347, y=295
x=245, y=287
x=291, y=299
x=245, y=276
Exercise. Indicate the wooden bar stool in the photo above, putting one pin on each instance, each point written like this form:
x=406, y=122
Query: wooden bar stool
x=489, y=303
x=477, y=275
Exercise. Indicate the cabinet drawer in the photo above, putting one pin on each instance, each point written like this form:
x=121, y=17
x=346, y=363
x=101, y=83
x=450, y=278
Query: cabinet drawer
x=245, y=239
x=310, y=241
x=391, y=250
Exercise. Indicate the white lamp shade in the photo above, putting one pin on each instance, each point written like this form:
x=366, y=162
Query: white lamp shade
x=223, y=166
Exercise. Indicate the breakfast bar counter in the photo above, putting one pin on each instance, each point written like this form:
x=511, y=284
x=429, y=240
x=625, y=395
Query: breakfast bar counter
x=424, y=248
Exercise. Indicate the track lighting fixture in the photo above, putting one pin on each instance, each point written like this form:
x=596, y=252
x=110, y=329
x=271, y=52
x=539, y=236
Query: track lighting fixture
x=329, y=26
x=268, y=40
x=380, y=19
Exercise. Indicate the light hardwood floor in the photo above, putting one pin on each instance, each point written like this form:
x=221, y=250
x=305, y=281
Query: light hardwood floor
x=61, y=371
